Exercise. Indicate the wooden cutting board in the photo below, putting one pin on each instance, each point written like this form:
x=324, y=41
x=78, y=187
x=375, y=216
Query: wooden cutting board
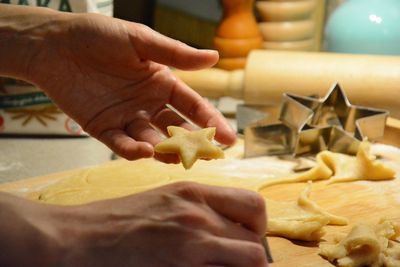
x=362, y=201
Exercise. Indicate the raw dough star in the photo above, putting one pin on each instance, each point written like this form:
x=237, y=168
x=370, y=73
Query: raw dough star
x=190, y=145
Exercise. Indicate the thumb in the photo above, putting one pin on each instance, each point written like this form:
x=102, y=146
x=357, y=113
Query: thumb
x=151, y=45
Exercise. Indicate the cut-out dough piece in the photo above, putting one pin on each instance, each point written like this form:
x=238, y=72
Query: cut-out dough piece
x=302, y=219
x=365, y=245
x=339, y=167
x=190, y=145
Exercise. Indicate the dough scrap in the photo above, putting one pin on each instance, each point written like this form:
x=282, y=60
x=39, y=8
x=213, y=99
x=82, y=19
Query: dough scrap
x=365, y=245
x=303, y=219
x=337, y=167
x=190, y=145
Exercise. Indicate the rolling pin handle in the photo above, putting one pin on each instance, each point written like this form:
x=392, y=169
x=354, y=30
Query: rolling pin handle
x=214, y=83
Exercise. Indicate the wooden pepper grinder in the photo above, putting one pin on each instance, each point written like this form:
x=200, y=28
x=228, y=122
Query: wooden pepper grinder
x=237, y=34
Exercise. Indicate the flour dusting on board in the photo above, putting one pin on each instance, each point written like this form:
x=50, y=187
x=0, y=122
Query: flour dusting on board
x=262, y=167
x=390, y=156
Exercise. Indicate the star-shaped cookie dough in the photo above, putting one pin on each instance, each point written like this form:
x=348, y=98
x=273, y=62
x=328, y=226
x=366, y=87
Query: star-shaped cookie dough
x=190, y=145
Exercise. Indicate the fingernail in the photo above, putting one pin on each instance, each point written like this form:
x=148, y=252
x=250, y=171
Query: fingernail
x=210, y=51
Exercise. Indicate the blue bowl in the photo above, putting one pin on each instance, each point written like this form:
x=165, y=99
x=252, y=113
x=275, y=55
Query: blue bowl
x=364, y=27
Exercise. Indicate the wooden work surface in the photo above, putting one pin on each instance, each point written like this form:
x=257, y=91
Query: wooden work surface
x=362, y=201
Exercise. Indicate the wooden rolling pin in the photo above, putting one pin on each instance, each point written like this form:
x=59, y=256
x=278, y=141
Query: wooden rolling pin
x=368, y=80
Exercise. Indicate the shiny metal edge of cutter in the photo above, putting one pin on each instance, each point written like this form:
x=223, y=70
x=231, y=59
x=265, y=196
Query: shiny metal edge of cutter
x=307, y=125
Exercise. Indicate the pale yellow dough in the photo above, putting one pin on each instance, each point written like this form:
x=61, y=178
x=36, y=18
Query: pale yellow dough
x=122, y=177
x=190, y=145
x=365, y=245
x=302, y=219
x=337, y=167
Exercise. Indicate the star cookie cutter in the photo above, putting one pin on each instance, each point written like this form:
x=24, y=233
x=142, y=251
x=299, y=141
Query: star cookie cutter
x=308, y=125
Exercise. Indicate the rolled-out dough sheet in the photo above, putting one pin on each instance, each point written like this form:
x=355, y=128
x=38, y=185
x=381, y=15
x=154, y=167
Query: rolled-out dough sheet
x=120, y=178
x=302, y=219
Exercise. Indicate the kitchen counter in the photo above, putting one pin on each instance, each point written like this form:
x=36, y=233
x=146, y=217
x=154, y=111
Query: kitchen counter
x=24, y=157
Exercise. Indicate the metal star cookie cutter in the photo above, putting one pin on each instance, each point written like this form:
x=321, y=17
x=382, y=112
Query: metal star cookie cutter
x=308, y=125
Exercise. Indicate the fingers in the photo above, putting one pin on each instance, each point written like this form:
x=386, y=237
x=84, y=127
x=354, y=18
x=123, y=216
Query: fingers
x=201, y=216
x=125, y=146
x=167, y=117
x=151, y=45
x=240, y=206
x=193, y=106
x=236, y=253
x=140, y=129
x=226, y=228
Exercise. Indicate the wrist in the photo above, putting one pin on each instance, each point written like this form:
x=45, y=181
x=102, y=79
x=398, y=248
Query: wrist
x=26, y=236
x=24, y=32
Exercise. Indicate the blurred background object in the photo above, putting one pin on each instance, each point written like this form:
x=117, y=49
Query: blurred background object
x=191, y=21
x=237, y=34
x=291, y=25
x=35, y=136
x=141, y=11
x=369, y=80
x=24, y=108
x=331, y=5
x=364, y=27
x=284, y=24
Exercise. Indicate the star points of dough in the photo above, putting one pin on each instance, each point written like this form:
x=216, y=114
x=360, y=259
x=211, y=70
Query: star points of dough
x=190, y=145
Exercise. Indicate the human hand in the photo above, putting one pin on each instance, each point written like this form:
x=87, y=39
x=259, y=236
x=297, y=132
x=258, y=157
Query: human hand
x=182, y=224
x=111, y=76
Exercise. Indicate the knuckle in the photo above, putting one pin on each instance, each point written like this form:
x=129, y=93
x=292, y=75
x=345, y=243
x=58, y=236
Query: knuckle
x=257, y=203
x=256, y=206
x=191, y=218
x=205, y=241
x=189, y=190
x=196, y=108
x=253, y=237
x=125, y=152
x=143, y=27
x=182, y=185
x=139, y=30
x=128, y=155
